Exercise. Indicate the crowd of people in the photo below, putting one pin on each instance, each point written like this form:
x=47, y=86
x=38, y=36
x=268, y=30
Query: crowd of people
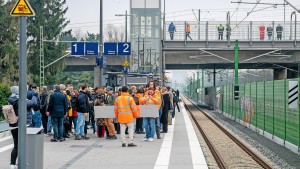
x=220, y=28
x=64, y=112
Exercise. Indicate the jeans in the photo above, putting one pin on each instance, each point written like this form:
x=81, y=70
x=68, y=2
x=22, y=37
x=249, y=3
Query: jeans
x=49, y=125
x=80, y=124
x=74, y=121
x=14, y=152
x=149, y=125
x=58, y=127
x=171, y=35
x=36, y=120
x=269, y=37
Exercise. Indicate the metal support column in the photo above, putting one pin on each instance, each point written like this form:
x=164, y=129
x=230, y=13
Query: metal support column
x=42, y=59
x=251, y=33
x=199, y=19
x=101, y=42
x=22, y=94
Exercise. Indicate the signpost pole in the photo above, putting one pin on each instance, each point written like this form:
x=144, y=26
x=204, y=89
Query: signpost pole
x=23, y=94
x=101, y=41
x=126, y=57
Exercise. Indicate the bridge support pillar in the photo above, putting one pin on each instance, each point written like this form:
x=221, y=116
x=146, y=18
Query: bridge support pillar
x=280, y=74
x=97, y=76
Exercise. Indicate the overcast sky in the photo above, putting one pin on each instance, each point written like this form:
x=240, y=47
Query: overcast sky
x=84, y=14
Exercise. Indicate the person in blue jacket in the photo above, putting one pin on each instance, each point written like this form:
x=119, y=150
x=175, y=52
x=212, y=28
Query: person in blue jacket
x=14, y=101
x=172, y=29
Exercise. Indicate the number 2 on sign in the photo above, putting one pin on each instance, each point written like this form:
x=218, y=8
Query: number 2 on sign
x=75, y=46
x=126, y=45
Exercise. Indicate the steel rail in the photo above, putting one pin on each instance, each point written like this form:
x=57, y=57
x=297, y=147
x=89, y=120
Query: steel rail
x=254, y=156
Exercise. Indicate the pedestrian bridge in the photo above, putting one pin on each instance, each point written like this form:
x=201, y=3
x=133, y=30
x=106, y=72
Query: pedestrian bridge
x=207, y=52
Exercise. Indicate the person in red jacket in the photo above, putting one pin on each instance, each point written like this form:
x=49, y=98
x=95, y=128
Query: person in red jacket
x=262, y=32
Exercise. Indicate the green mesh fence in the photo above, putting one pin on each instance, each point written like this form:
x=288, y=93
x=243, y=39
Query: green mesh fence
x=262, y=104
x=265, y=105
x=260, y=110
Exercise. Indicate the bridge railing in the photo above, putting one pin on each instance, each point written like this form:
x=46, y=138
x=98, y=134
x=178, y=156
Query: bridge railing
x=244, y=31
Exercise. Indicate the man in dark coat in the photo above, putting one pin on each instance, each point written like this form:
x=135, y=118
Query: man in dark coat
x=58, y=108
x=81, y=108
x=44, y=104
x=166, y=107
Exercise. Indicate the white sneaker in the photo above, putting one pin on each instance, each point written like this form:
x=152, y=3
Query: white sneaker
x=145, y=139
x=13, y=166
x=150, y=139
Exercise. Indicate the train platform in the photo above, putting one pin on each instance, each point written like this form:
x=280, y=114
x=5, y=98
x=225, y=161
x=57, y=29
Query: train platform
x=177, y=149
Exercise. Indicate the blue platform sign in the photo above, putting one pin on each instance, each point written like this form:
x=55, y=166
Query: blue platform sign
x=110, y=49
x=91, y=48
x=77, y=48
x=124, y=48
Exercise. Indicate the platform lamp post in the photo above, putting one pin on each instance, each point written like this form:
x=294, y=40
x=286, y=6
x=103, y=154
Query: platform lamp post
x=236, y=74
x=126, y=57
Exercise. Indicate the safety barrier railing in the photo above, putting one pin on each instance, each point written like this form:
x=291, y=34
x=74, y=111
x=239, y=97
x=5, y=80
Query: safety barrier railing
x=245, y=31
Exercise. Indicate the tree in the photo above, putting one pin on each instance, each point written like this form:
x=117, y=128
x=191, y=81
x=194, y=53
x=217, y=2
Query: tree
x=51, y=15
x=114, y=34
x=9, y=29
x=92, y=37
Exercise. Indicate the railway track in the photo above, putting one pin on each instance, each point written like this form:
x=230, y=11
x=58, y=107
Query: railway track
x=227, y=150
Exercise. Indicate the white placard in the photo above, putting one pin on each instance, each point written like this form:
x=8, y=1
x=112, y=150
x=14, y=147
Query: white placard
x=104, y=112
x=108, y=111
x=149, y=111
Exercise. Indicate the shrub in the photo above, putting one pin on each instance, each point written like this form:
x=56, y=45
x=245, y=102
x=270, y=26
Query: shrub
x=4, y=94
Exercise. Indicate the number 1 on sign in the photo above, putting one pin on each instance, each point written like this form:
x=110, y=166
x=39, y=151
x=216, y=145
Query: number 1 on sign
x=126, y=45
x=75, y=46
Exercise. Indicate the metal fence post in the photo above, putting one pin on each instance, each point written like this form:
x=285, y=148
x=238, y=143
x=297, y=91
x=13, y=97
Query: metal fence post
x=256, y=114
x=251, y=33
x=273, y=33
x=264, y=105
x=299, y=114
x=285, y=95
x=273, y=132
x=206, y=33
x=250, y=103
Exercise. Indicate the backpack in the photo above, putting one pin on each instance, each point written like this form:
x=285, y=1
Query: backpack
x=175, y=97
x=9, y=114
x=74, y=101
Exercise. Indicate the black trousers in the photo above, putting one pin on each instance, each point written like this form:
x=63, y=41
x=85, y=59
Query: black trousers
x=14, y=152
x=45, y=122
x=165, y=127
x=139, y=125
x=220, y=36
x=117, y=127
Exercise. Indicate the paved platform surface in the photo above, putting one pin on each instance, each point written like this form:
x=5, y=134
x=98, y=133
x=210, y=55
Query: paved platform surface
x=178, y=149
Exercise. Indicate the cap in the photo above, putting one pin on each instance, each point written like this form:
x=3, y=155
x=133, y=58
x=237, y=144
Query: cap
x=109, y=88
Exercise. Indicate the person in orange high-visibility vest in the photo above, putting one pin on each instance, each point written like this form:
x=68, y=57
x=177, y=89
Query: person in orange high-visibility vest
x=126, y=111
x=150, y=98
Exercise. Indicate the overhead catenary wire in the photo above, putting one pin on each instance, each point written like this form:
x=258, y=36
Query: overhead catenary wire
x=247, y=15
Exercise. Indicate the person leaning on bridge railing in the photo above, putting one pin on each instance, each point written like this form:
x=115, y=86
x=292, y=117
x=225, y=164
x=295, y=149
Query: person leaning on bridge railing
x=220, y=31
x=279, y=30
x=228, y=32
x=270, y=32
x=262, y=31
x=171, y=30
